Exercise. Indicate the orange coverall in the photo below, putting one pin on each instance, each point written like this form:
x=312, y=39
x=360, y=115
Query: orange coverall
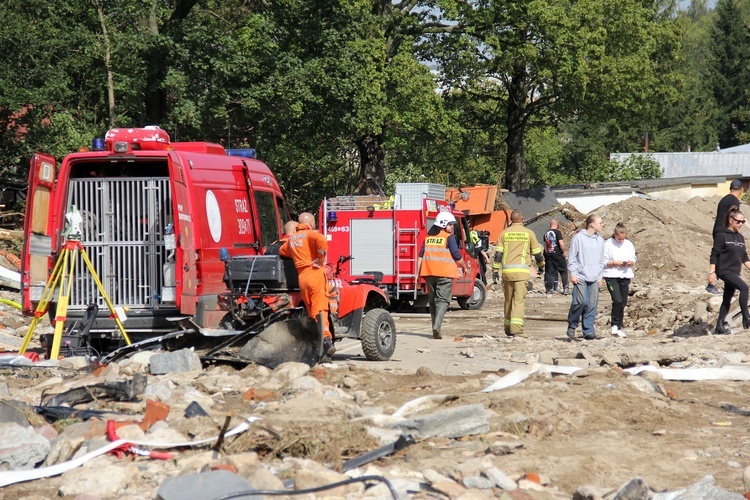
x=305, y=246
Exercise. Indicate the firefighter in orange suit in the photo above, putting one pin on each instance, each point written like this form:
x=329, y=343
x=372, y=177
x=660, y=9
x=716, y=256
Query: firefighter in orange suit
x=515, y=249
x=308, y=249
x=437, y=264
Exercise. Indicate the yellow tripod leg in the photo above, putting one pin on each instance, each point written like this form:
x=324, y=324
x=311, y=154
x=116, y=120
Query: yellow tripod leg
x=63, y=298
x=43, y=305
x=104, y=295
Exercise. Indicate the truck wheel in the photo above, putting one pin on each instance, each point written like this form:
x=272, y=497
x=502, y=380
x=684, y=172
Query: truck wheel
x=476, y=301
x=378, y=335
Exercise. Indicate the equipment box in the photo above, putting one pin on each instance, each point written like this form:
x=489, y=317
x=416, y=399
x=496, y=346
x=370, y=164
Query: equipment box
x=268, y=271
x=409, y=195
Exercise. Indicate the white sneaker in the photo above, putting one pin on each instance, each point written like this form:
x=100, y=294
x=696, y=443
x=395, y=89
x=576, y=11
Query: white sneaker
x=617, y=332
x=621, y=333
x=613, y=331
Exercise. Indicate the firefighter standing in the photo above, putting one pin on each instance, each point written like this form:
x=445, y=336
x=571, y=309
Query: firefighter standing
x=308, y=249
x=515, y=248
x=437, y=264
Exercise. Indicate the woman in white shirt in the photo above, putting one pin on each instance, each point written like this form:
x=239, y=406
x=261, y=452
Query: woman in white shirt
x=619, y=259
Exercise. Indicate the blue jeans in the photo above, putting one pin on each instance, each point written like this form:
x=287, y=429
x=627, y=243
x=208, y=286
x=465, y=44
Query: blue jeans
x=583, y=307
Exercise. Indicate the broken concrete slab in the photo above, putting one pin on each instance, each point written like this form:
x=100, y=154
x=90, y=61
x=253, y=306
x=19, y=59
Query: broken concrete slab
x=105, y=481
x=20, y=447
x=452, y=423
x=184, y=360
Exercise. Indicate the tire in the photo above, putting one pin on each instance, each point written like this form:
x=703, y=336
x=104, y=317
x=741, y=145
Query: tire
x=476, y=301
x=378, y=335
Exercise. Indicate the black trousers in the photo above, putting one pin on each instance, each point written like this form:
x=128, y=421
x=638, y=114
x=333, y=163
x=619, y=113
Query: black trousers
x=555, y=264
x=618, y=289
x=732, y=283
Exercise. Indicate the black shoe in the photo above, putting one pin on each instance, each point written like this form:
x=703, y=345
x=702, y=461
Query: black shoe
x=713, y=289
x=571, y=333
x=328, y=350
x=436, y=334
x=590, y=337
x=746, y=322
x=722, y=330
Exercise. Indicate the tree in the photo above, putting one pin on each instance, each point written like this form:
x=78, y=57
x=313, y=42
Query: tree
x=547, y=62
x=730, y=71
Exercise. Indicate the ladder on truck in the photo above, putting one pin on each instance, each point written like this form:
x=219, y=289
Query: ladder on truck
x=407, y=253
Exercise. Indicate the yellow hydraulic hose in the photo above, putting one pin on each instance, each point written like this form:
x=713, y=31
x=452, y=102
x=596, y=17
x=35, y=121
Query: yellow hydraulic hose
x=11, y=303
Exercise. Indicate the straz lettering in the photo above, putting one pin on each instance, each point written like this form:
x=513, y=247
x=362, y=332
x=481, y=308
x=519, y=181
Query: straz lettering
x=244, y=226
x=240, y=205
x=434, y=241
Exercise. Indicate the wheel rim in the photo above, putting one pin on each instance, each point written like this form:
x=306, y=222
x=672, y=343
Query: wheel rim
x=385, y=334
x=475, y=294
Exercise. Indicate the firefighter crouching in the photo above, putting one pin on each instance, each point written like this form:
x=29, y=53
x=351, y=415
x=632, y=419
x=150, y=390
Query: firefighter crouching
x=515, y=248
x=437, y=265
x=308, y=249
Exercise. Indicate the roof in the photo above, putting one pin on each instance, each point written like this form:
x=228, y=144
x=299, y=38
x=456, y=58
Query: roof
x=600, y=188
x=743, y=148
x=532, y=201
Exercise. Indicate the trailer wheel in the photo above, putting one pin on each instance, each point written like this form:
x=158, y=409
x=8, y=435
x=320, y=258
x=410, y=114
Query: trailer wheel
x=476, y=300
x=378, y=335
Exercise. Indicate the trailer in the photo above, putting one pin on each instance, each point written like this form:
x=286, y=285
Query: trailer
x=380, y=237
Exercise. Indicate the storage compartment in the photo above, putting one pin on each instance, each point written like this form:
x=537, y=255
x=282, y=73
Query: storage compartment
x=261, y=271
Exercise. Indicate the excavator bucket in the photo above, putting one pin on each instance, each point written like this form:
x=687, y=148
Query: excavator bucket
x=295, y=339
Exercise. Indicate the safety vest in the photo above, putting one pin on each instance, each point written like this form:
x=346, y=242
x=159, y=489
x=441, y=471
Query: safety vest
x=517, y=244
x=437, y=259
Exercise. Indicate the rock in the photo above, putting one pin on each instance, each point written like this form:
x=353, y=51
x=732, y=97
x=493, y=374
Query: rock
x=730, y=358
x=746, y=478
x=589, y=493
x=349, y=382
x=203, y=486
x=700, y=312
x=451, y=423
x=705, y=488
x=184, y=360
x=714, y=303
x=581, y=363
x=263, y=479
x=104, y=481
x=307, y=385
x=20, y=447
x=477, y=482
x=287, y=372
x=547, y=357
x=449, y=488
x=500, y=479
x=15, y=412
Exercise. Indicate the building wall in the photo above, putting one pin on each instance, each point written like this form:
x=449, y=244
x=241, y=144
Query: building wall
x=678, y=165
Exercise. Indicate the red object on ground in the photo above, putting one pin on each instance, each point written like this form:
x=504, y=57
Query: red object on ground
x=155, y=411
x=120, y=451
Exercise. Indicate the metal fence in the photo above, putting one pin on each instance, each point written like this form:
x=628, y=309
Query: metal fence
x=123, y=235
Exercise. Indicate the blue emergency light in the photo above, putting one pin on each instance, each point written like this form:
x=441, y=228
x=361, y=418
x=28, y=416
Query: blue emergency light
x=97, y=144
x=332, y=217
x=245, y=153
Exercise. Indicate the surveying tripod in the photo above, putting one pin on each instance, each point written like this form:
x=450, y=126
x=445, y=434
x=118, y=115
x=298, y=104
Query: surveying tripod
x=62, y=275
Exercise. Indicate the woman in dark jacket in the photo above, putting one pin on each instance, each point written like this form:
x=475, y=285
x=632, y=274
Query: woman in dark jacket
x=727, y=258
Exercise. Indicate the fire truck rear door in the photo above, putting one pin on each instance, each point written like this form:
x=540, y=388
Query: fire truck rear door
x=186, y=293
x=38, y=244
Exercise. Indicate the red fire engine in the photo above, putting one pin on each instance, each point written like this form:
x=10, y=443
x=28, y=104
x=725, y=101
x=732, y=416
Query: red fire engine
x=160, y=220
x=380, y=238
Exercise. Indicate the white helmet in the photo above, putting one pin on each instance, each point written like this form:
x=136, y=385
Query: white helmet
x=443, y=219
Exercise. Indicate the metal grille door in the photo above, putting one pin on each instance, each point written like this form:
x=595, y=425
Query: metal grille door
x=123, y=235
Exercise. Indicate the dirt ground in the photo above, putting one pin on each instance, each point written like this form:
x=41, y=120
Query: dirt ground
x=601, y=426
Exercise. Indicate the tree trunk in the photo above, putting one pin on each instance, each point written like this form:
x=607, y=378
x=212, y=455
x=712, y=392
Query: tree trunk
x=515, y=164
x=372, y=165
x=107, y=64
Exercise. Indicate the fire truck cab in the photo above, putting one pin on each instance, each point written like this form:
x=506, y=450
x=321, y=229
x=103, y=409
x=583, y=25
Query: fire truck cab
x=155, y=214
x=378, y=239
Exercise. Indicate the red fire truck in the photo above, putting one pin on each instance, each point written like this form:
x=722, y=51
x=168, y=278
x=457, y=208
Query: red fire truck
x=160, y=221
x=380, y=238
